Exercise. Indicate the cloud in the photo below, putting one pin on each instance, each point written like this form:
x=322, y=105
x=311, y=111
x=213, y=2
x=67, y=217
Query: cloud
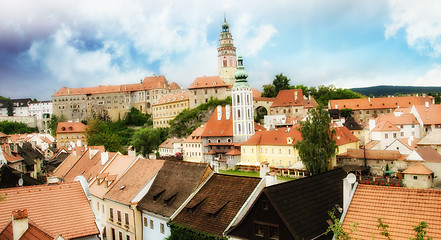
x=431, y=78
x=421, y=22
x=71, y=66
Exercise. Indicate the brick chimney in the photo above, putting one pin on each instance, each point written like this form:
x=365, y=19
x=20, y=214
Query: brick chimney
x=20, y=223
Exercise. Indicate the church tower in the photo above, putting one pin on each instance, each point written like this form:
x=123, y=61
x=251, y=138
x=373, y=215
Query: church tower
x=226, y=55
x=242, y=98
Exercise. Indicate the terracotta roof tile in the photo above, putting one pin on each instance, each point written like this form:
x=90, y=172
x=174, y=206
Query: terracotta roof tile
x=418, y=168
x=256, y=93
x=278, y=137
x=233, y=152
x=170, y=142
x=195, y=136
x=129, y=185
x=85, y=163
x=207, y=82
x=400, y=208
x=429, y=154
x=405, y=142
x=177, y=97
x=156, y=82
x=58, y=209
x=71, y=127
x=168, y=183
x=66, y=165
x=13, y=156
x=372, y=154
x=287, y=98
x=371, y=144
x=32, y=233
x=385, y=127
x=222, y=195
x=219, y=128
x=404, y=119
x=375, y=103
x=174, y=86
x=430, y=115
x=344, y=136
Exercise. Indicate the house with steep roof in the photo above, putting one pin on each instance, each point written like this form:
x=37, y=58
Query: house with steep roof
x=220, y=202
x=400, y=208
x=45, y=207
x=168, y=107
x=192, y=146
x=428, y=116
x=433, y=139
x=111, y=100
x=377, y=161
x=11, y=178
x=23, y=158
x=171, y=147
x=355, y=129
x=366, y=108
x=204, y=88
x=124, y=220
x=418, y=176
x=173, y=184
x=292, y=103
x=71, y=134
x=344, y=140
x=385, y=133
x=20, y=227
x=403, y=145
x=293, y=210
x=430, y=158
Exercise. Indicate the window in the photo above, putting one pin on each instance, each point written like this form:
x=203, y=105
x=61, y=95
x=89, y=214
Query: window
x=162, y=228
x=395, y=135
x=113, y=234
x=402, y=134
x=120, y=235
x=415, y=177
x=367, y=112
x=126, y=219
x=146, y=224
x=274, y=233
x=151, y=224
x=118, y=216
x=98, y=206
x=258, y=230
x=386, y=135
x=111, y=214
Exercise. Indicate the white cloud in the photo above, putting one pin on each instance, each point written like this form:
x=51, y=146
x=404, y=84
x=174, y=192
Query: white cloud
x=73, y=67
x=421, y=20
x=431, y=78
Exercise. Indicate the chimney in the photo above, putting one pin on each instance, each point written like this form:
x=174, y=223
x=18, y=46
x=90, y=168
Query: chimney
x=219, y=113
x=52, y=180
x=410, y=140
x=398, y=114
x=227, y=112
x=295, y=95
x=131, y=152
x=105, y=157
x=336, y=106
x=347, y=190
x=369, y=99
x=264, y=169
x=68, y=91
x=371, y=124
x=271, y=179
x=20, y=223
x=427, y=104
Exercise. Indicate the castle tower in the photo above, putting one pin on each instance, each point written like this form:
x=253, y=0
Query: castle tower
x=226, y=55
x=242, y=98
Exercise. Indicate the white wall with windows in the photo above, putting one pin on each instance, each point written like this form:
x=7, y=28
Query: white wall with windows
x=154, y=227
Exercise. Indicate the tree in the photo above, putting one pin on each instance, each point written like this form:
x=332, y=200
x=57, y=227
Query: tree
x=10, y=107
x=53, y=123
x=280, y=83
x=420, y=232
x=146, y=140
x=136, y=118
x=318, y=144
x=8, y=127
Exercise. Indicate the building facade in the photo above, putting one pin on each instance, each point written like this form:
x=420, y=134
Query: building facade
x=226, y=55
x=42, y=111
x=168, y=107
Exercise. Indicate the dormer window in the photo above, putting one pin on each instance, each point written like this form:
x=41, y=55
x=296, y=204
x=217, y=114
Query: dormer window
x=214, y=83
x=158, y=195
x=63, y=129
x=70, y=128
x=194, y=204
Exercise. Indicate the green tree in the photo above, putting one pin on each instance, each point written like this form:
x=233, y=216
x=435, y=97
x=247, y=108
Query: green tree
x=318, y=144
x=53, y=123
x=10, y=107
x=146, y=140
x=337, y=228
x=280, y=83
x=136, y=118
x=346, y=113
x=8, y=127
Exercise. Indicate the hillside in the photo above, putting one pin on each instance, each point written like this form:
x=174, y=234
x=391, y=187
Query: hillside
x=385, y=90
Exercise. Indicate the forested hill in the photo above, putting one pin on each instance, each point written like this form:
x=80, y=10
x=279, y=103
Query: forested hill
x=385, y=90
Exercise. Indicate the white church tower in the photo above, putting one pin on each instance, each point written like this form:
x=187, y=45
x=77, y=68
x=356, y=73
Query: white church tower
x=242, y=98
x=226, y=55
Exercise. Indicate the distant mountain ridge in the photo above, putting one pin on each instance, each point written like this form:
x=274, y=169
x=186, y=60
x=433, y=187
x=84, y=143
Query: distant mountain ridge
x=385, y=90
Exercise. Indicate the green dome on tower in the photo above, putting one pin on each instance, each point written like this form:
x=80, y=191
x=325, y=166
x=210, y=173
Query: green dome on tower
x=240, y=75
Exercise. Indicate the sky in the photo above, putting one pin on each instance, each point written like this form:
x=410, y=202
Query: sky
x=48, y=44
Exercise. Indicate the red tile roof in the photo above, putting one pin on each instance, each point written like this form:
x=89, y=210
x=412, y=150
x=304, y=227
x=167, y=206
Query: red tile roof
x=13, y=157
x=58, y=209
x=177, y=97
x=418, y=168
x=156, y=82
x=221, y=196
x=219, y=128
x=277, y=137
x=256, y=93
x=404, y=119
x=195, y=136
x=344, y=136
x=129, y=185
x=405, y=142
x=207, y=82
x=66, y=165
x=71, y=127
x=174, y=86
x=371, y=144
x=400, y=208
x=430, y=115
x=32, y=233
x=169, y=142
x=429, y=154
x=233, y=152
x=375, y=103
x=385, y=127
x=286, y=98
x=371, y=154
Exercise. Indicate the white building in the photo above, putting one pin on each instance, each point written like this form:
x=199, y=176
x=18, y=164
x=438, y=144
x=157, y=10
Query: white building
x=192, y=146
x=42, y=111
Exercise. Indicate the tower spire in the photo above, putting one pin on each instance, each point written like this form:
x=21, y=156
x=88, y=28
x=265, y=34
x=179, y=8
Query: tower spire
x=227, y=60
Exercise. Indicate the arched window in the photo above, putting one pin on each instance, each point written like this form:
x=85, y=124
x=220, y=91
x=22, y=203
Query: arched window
x=237, y=99
x=248, y=99
x=238, y=129
x=225, y=63
x=238, y=113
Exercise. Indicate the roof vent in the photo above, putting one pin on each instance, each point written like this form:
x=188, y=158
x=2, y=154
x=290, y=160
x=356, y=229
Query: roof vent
x=122, y=187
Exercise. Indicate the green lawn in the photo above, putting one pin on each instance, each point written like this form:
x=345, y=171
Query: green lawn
x=252, y=174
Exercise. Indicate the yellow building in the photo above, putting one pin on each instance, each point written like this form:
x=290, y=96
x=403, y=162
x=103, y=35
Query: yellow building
x=168, y=107
x=275, y=147
x=192, y=151
x=344, y=140
x=71, y=134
